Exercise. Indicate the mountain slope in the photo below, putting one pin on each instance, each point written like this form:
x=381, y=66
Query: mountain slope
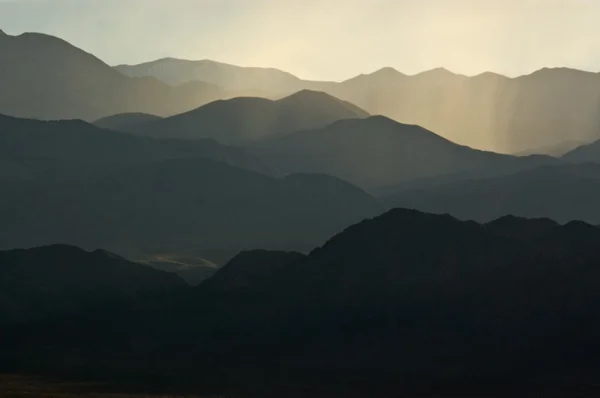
x=44, y=77
x=65, y=280
x=560, y=192
x=180, y=205
x=243, y=119
x=584, y=153
x=33, y=149
x=377, y=152
x=125, y=121
x=236, y=78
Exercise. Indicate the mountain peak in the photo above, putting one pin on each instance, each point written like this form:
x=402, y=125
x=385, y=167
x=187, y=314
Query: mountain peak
x=387, y=71
x=308, y=95
x=439, y=73
x=326, y=101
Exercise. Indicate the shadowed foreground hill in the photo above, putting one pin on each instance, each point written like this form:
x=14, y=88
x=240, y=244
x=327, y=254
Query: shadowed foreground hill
x=561, y=192
x=245, y=119
x=32, y=149
x=64, y=280
x=180, y=204
x=377, y=152
x=403, y=302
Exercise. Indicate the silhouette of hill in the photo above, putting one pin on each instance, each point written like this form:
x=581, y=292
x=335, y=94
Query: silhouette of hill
x=488, y=111
x=179, y=205
x=33, y=149
x=406, y=302
x=560, y=192
x=377, y=152
x=44, y=77
x=125, y=121
x=64, y=280
x=243, y=119
x=235, y=78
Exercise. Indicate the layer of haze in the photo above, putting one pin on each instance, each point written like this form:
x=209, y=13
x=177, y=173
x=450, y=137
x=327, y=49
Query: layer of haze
x=329, y=40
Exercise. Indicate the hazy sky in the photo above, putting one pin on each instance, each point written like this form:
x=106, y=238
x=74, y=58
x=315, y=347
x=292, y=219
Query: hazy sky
x=326, y=39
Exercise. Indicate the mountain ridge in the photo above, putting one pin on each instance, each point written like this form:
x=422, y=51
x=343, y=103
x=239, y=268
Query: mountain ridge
x=378, y=152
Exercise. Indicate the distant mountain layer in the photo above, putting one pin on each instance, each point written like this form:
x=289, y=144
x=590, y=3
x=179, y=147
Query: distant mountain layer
x=47, y=78
x=32, y=149
x=235, y=78
x=377, y=152
x=179, y=205
x=561, y=192
x=488, y=111
x=406, y=302
x=241, y=120
x=44, y=77
x=64, y=280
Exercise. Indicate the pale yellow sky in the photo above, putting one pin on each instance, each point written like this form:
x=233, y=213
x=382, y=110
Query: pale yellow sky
x=326, y=39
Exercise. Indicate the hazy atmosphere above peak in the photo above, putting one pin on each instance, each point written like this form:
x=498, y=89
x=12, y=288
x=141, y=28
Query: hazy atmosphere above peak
x=326, y=40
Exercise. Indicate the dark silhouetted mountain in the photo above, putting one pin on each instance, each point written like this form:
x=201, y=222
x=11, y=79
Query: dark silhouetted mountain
x=423, y=298
x=125, y=121
x=235, y=78
x=488, y=111
x=32, y=149
x=65, y=280
x=560, y=192
x=405, y=302
x=377, y=152
x=244, y=119
x=180, y=204
x=44, y=77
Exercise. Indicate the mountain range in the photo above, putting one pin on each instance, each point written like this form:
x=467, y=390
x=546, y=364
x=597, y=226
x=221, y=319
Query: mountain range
x=532, y=113
x=505, y=305
x=192, y=227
